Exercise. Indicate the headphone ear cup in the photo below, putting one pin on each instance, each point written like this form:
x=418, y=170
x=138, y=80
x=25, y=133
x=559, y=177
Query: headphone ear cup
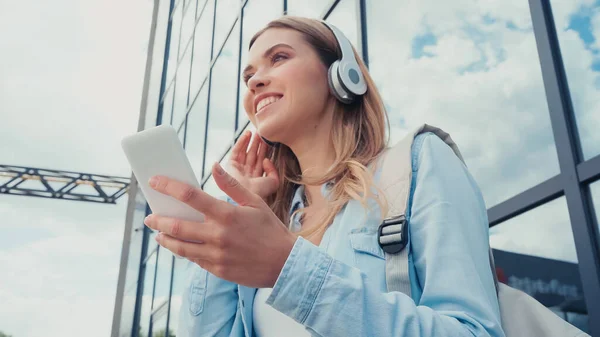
x=332, y=79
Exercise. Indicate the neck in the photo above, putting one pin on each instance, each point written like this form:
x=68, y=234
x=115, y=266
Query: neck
x=315, y=155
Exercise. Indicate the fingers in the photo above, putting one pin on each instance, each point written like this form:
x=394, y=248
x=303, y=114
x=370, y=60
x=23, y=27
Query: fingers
x=238, y=153
x=179, y=229
x=262, y=152
x=194, y=197
x=270, y=169
x=252, y=152
x=189, y=250
x=241, y=195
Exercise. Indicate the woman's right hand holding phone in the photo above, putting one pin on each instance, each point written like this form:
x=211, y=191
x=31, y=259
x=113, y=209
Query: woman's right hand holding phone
x=249, y=165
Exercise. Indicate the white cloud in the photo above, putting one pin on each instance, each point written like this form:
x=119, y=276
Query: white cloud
x=543, y=231
x=62, y=284
x=583, y=82
x=89, y=315
x=71, y=85
x=562, y=10
x=493, y=106
x=481, y=81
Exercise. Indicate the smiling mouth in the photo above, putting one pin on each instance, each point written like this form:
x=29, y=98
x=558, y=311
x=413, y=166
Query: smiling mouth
x=263, y=104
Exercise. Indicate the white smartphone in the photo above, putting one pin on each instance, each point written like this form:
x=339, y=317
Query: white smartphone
x=158, y=151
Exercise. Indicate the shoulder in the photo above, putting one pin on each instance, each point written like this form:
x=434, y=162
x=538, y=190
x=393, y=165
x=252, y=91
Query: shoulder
x=429, y=149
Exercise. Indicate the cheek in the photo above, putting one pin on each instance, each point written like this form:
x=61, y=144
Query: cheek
x=248, y=102
x=310, y=82
x=249, y=106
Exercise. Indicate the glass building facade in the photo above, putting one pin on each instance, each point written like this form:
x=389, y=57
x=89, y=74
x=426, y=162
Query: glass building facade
x=516, y=83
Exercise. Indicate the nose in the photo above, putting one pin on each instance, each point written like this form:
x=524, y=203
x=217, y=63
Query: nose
x=258, y=81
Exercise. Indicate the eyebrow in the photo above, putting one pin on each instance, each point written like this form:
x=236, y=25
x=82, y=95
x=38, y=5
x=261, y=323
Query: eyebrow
x=267, y=52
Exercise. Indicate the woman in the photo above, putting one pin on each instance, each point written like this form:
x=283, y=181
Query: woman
x=324, y=273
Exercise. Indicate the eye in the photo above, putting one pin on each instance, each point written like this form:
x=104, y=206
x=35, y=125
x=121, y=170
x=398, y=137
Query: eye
x=247, y=78
x=278, y=57
x=274, y=59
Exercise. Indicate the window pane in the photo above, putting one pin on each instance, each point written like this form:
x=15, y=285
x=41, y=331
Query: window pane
x=344, y=18
x=309, y=8
x=227, y=11
x=147, y=295
x=543, y=232
x=211, y=188
x=202, y=40
x=257, y=13
x=174, y=44
x=578, y=28
x=168, y=106
x=182, y=267
x=135, y=243
x=472, y=70
x=158, y=54
x=127, y=311
x=159, y=327
x=163, y=277
x=222, y=102
x=595, y=191
x=181, y=133
x=535, y=252
x=201, y=4
x=187, y=28
x=196, y=125
x=133, y=265
x=182, y=82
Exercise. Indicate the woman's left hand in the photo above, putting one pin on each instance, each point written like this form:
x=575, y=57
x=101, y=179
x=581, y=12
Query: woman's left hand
x=245, y=244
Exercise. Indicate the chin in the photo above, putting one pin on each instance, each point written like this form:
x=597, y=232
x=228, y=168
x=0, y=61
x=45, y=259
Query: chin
x=269, y=135
x=271, y=129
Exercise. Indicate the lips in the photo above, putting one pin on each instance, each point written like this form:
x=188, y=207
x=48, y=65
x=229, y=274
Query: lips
x=266, y=102
x=263, y=100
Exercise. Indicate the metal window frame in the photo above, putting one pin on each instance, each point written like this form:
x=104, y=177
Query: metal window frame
x=239, y=68
x=362, y=30
x=570, y=157
x=173, y=86
x=155, y=253
x=212, y=47
x=170, y=294
x=142, y=280
x=156, y=307
x=214, y=61
x=163, y=79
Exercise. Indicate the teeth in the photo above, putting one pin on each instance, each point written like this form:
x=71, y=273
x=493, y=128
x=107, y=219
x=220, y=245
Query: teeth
x=266, y=101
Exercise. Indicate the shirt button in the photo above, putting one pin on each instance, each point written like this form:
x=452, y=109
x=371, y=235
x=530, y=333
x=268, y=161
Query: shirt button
x=243, y=303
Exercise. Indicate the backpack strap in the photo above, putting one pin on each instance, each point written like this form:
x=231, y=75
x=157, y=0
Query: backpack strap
x=395, y=182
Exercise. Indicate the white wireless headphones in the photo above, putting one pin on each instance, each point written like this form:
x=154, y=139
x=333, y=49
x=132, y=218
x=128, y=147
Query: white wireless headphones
x=345, y=79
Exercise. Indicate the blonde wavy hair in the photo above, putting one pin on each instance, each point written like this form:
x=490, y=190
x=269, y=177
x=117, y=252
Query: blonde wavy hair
x=358, y=134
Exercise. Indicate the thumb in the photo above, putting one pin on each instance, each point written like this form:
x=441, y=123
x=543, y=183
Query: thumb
x=228, y=184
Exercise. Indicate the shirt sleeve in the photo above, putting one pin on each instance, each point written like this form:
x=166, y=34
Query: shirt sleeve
x=209, y=304
x=449, y=239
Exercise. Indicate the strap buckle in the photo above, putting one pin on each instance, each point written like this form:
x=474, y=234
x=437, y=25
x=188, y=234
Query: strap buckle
x=392, y=235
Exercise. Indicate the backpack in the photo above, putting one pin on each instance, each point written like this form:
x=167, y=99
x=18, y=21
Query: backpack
x=521, y=314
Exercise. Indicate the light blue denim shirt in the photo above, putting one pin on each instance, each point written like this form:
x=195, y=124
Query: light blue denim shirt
x=339, y=288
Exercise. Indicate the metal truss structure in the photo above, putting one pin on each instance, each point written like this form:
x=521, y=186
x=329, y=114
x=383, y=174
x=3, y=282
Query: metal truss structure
x=56, y=184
